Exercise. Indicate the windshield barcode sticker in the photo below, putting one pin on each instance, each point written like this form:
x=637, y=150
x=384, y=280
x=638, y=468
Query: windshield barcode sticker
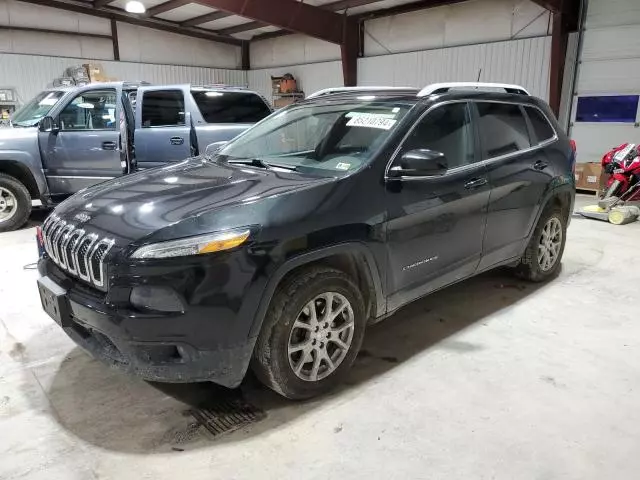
x=370, y=121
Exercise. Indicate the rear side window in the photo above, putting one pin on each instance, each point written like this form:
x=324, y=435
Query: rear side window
x=503, y=129
x=446, y=129
x=541, y=126
x=230, y=107
x=163, y=108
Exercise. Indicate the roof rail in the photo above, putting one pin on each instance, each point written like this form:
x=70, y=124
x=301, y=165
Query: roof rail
x=328, y=91
x=445, y=87
x=220, y=86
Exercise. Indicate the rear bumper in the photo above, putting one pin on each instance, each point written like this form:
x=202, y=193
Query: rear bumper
x=180, y=347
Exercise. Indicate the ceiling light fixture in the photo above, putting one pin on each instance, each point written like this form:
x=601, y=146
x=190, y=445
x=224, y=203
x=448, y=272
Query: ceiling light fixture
x=134, y=6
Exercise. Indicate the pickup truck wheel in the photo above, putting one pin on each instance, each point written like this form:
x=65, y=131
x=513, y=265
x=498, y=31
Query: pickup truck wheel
x=15, y=203
x=311, y=334
x=541, y=259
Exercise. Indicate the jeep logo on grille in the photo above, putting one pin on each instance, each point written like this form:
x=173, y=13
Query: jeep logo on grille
x=82, y=217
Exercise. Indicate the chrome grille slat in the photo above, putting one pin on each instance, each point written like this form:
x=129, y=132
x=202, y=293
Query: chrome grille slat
x=75, y=251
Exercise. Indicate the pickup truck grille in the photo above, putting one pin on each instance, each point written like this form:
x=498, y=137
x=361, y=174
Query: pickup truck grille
x=79, y=253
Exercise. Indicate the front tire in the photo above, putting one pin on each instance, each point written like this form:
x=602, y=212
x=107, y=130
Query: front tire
x=311, y=334
x=542, y=257
x=15, y=203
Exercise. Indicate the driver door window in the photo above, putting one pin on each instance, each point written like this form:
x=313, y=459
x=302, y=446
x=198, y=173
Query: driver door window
x=93, y=110
x=446, y=129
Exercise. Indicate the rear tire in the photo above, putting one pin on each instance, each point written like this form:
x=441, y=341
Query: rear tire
x=15, y=203
x=543, y=255
x=305, y=349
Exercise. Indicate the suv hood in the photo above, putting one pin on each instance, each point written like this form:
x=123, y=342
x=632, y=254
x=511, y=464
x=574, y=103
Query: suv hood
x=191, y=197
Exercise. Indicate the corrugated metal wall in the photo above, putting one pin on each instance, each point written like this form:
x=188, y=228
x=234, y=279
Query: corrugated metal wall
x=29, y=74
x=524, y=62
x=310, y=77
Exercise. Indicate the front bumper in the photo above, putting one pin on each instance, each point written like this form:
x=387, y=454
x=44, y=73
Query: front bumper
x=158, y=347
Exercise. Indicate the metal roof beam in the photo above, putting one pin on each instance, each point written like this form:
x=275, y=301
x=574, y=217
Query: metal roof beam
x=288, y=14
x=209, y=17
x=120, y=16
x=334, y=7
x=166, y=6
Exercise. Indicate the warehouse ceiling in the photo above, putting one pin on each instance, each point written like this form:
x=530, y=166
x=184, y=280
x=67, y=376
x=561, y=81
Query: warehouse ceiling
x=199, y=14
x=206, y=19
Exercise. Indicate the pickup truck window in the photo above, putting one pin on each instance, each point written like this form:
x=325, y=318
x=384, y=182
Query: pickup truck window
x=163, y=108
x=37, y=108
x=230, y=107
x=92, y=110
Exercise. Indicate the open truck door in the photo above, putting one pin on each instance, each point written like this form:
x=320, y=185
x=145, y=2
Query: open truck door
x=80, y=141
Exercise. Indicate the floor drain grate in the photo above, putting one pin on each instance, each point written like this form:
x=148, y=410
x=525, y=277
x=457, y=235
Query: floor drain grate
x=227, y=415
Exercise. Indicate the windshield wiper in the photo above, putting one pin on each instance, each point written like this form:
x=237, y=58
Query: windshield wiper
x=254, y=162
x=257, y=162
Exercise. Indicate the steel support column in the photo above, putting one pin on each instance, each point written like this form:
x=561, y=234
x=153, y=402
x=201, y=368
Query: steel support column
x=245, y=54
x=114, y=39
x=559, y=39
x=349, y=49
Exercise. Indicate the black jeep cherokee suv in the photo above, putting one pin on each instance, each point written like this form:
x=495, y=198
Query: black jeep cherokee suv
x=279, y=249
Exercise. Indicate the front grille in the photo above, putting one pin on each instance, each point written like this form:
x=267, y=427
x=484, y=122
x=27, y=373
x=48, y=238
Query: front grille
x=75, y=251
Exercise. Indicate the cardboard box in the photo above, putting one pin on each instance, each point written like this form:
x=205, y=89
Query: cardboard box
x=588, y=176
x=95, y=72
x=283, y=102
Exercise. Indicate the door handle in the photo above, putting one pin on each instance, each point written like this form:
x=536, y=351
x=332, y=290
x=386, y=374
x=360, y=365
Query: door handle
x=176, y=140
x=475, y=183
x=108, y=145
x=540, y=165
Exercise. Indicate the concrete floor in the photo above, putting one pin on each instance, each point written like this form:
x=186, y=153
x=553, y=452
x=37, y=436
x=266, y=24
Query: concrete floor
x=489, y=379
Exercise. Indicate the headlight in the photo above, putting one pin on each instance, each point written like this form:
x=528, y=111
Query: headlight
x=212, y=242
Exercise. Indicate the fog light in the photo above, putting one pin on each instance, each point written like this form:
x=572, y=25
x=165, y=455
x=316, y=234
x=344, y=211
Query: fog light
x=159, y=299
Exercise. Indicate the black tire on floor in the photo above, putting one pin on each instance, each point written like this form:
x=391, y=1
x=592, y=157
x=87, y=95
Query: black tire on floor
x=529, y=267
x=23, y=200
x=270, y=357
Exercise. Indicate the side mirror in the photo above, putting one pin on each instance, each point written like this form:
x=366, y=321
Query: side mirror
x=47, y=124
x=214, y=148
x=420, y=162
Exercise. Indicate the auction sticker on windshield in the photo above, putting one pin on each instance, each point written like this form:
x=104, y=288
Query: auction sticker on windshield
x=371, y=121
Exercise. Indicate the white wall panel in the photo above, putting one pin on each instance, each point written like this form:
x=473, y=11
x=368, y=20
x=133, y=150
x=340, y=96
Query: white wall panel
x=291, y=50
x=31, y=73
x=524, y=62
x=612, y=13
x=137, y=44
x=15, y=41
x=140, y=44
x=310, y=77
x=36, y=16
x=477, y=21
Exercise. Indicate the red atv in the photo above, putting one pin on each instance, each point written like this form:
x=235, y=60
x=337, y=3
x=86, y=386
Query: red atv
x=623, y=164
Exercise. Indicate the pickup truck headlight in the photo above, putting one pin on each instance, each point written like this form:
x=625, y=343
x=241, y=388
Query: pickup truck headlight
x=209, y=243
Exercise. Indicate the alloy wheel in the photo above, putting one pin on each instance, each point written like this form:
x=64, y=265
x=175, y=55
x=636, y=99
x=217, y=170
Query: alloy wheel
x=550, y=243
x=8, y=204
x=321, y=336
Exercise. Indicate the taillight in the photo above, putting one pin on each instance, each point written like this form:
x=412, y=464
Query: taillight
x=574, y=147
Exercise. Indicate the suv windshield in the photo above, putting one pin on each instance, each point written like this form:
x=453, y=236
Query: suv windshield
x=327, y=139
x=37, y=108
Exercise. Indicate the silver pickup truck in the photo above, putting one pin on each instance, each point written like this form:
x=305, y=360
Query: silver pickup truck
x=68, y=138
